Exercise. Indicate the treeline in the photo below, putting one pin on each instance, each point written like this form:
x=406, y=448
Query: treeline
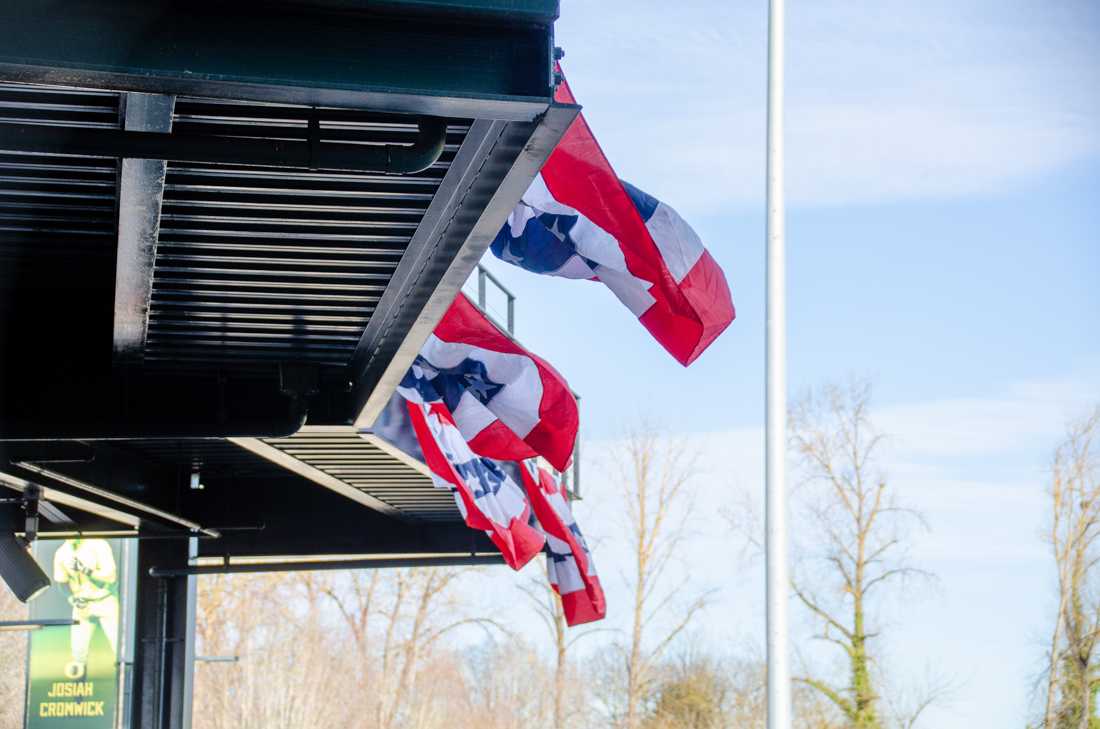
x=370, y=650
x=414, y=649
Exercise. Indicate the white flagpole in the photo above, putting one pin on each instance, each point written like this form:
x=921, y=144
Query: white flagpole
x=779, y=674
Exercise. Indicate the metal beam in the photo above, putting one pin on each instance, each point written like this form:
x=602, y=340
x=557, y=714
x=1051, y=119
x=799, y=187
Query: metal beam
x=492, y=170
x=493, y=64
x=132, y=505
x=64, y=498
x=102, y=406
x=313, y=153
x=317, y=476
x=523, y=11
x=460, y=560
x=6, y=625
x=140, y=194
x=301, y=519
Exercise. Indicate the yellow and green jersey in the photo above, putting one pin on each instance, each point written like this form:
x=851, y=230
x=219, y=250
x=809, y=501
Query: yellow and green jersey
x=87, y=566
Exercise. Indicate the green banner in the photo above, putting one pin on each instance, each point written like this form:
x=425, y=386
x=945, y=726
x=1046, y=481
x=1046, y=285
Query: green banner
x=73, y=672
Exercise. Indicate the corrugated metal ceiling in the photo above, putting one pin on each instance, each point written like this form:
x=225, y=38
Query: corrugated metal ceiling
x=343, y=454
x=338, y=452
x=253, y=265
x=57, y=214
x=261, y=264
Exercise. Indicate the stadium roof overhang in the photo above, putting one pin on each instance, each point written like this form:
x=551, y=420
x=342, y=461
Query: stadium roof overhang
x=225, y=231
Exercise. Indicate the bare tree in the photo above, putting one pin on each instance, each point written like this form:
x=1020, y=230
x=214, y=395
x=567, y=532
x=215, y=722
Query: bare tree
x=908, y=703
x=503, y=687
x=424, y=587
x=694, y=692
x=568, y=694
x=654, y=475
x=423, y=610
x=1074, y=528
x=353, y=593
x=860, y=534
x=281, y=643
x=13, y=647
x=354, y=598
x=698, y=689
x=360, y=665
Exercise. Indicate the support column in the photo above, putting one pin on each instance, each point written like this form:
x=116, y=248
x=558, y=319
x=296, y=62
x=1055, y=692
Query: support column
x=140, y=195
x=162, y=618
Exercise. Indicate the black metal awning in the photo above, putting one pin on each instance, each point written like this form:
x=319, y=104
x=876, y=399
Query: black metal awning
x=225, y=232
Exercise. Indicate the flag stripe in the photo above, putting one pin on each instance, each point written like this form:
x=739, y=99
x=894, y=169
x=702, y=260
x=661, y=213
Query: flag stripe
x=530, y=398
x=504, y=514
x=569, y=563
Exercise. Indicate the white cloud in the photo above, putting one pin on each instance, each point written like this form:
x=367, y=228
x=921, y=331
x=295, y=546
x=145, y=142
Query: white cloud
x=889, y=101
x=1027, y=415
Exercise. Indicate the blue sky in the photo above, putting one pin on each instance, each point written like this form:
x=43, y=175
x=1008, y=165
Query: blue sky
x=943, y=238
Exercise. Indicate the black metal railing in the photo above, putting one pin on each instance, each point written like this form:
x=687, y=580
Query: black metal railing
x=571, y=478
x=483, y=279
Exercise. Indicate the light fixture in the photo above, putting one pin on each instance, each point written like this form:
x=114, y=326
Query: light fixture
x=18, y=568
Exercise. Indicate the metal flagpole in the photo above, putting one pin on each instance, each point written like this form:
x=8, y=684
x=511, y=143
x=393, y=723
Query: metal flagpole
x=779, y=675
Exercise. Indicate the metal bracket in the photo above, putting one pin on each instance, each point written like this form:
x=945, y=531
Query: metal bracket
x=140, y=195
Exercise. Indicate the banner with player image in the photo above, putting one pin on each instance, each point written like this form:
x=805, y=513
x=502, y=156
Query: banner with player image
x=73, y=672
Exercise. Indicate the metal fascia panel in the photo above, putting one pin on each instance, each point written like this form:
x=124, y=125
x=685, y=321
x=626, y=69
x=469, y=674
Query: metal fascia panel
x=419, y=63
x=448, y=246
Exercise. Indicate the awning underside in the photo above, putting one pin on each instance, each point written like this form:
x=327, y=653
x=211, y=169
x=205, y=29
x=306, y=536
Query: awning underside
x=185, y=284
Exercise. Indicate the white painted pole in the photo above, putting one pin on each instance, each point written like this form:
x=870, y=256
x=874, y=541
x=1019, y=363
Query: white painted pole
x=779, y=673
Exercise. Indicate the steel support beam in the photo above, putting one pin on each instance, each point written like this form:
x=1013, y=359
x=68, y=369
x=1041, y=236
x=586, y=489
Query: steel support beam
x=111, y=483
x=34, y=624
x=112, y=515
x=531, y=12
x=301, y=519
x=140, y=194
x=458, y=560
x=122, y=502
x=153, y=144
x=493, y=168
x=124, y=405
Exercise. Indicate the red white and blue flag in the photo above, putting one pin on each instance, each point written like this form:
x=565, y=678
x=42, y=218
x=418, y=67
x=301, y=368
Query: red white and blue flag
x=579, y=220
x=519, y=505
x=488, y=498
x=569, y=564
x=507, y=403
